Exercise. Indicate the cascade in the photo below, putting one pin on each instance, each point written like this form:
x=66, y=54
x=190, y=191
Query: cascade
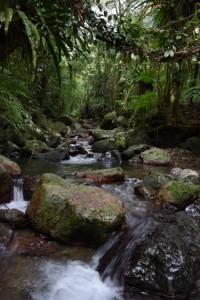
x=102, y=278
x=18, y=201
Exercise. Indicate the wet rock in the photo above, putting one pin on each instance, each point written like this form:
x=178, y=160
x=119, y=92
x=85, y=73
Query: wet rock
x=100, y=134
x=193, y=209
x=109, y=120
x=32, y=245
x=35, y=147
x=184, y=173
x=81, y=149
x=137, y=137
x=175, y=172
x=110, y=158
x=53, y=140
x=10, y=166
x=104, y=146
x=178, y=193
x=131, y=151
x=192, y=144
x=167, y=260
x=155, y=180
x=58, y=128
x=66, y=119
x=10, y=149
x=103, y=176
x=29, y=185
x=141, y=191
x=5, y=235
x=6, y=186
x=13, y=217
x=53, y=155
x=68, y=212
x=156, y=156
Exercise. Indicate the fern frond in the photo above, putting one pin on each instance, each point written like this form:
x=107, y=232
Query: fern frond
x=55, y=57
x=192, y=93
x=32, y=34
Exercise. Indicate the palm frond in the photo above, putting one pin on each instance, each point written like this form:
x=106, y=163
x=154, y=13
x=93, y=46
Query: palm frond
x=32, y=34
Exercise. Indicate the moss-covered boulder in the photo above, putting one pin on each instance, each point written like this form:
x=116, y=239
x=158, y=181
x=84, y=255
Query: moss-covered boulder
x=131, y=151
x=66, y=119
x=10, y=166
x=109, y=120
x=136, y=137
x=103, y=176
x=151, y=184
x=58, y=128
x=36, y=147
x=178, y=193
x=156, y=156
x=192, y=144
x=73, y=212
x=100, y=134
x=6, y=186
x=104, y=146
x=155, y=180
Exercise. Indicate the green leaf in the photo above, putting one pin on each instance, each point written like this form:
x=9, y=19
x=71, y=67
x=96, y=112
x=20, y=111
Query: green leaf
x=55, y=58
x=8, y=18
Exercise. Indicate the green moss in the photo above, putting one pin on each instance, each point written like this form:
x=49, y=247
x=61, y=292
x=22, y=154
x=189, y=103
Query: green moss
x=155, y=180
x=181, y=190
x=121, y=143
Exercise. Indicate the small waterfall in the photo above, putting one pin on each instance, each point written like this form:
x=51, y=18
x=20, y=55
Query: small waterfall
x=18, y=201
x=102, y=279
x=115, y=256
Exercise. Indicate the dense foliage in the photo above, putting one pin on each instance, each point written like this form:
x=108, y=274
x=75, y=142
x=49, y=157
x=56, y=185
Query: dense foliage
x=140, y=58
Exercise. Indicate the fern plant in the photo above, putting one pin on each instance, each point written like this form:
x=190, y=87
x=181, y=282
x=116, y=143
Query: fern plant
x=12, y=110
x=143, y=106
x=192, y=93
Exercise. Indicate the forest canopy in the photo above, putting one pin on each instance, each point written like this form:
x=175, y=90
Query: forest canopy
x=140, y=58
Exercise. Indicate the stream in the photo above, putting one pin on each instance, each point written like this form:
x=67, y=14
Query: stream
x=73, y=273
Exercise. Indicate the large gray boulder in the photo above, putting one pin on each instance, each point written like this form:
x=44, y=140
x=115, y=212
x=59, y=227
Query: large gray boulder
x=74, y=212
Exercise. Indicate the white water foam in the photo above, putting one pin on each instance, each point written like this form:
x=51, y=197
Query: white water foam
x=74, y=281
x=18, y=201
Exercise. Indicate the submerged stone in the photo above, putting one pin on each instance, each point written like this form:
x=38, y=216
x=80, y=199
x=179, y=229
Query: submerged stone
x=74, y=212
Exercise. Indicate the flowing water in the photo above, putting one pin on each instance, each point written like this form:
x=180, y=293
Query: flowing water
x=78, y=276
x=18, y=201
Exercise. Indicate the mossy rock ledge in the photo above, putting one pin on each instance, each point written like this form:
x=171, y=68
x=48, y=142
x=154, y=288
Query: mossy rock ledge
x=178, y=193
x=70, y=212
